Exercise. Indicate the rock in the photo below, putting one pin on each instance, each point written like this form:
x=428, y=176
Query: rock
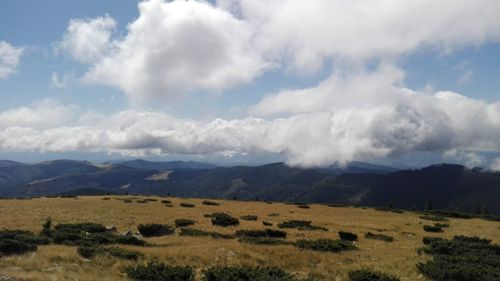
x=111, y=229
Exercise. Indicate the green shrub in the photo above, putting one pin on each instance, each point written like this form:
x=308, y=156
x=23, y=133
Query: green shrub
x=433, y=218
x=88, y=252
x=130, y=240
x=122, y=253
x=249, y=217
x=106, y=198
x=187, y=205
x=169, y=205
x=12, y=246
x=325, y=245
x=47, y=228
x=210, y=203
x=223, y=219
x=266, y=223
x=442, y=225
x=151, y=199
x=198, y=233
x=262, y=241
x=370, y=275
x=299, y=224
x=166, y=202
x=348, y=236
x=432, y=228
x=266, y=233
x=377, y=236
x=157, y=271
x=81, y=227
x=429, y=240
x=304, y=206
x=154, y=229
x=184, y=222
x=461, y=259
x=246, y=274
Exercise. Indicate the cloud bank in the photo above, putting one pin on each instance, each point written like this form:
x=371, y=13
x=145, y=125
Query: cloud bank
x=9, y=59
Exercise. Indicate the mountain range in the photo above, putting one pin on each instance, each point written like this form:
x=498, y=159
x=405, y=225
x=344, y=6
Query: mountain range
x=447, y=186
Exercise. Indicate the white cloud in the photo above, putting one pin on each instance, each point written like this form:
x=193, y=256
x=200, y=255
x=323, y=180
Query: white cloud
x=170, y=49
x=9, y=59
x=88, y=40
x=410, y=122
x=308, y=32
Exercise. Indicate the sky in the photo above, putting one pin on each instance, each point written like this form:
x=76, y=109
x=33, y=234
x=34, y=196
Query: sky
x=312, y=83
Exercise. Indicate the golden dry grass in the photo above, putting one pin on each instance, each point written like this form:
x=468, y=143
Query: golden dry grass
x=55, y=262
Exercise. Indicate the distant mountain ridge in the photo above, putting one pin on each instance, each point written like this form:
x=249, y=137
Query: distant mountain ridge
x=446, y=185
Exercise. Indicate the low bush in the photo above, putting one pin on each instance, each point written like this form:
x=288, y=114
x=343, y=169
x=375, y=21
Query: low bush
x=246, y=274
x=442, y=225
x=141, y=201
x=266, y=223
x=151, y=199
x=127, y=201
x=154, y=229
x=432, y=228
x=263, y=241
x=168, y=205
x=210, y=203
x=166, y=202
x=461, y=259
x=348, y=236
x=300, y=224
x=304, y=206
x=273, y=215
x=433, y=218
x=429, y=240
x=370, y=275
x=106, y=198
x=157, y=271
x=249, y=217
x=377, y=236
x=451, y=214
x=325, y=245
x=12, y=246
x=200, y=233
x=81, y=227
x=187, y=205
x=184, y=222
x=266, y=233
x=129, y=240
x=223, y=219
x=337, y=205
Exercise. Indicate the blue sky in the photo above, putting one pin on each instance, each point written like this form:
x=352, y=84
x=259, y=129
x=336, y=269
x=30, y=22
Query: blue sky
x=233, y=69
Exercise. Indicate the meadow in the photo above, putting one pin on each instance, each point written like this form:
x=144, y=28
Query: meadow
x=126, y=213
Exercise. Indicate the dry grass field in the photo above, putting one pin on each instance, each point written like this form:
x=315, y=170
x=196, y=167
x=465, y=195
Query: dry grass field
x=58, y=262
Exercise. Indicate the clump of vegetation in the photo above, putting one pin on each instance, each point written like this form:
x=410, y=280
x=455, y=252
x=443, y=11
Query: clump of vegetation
x=370, y=275
x=157, y=271
x=249, y=217
x=433, y=218
x=461, y=259
x=166, y=201
x=386, y=209
x=127, y=201
x=377, y=236
x=450, y=214
x=169, y=205
x=348, y=236
x=199, y=233
x=325, y=245
x=263, y=241
x=151, y=199
x=106, y=198
x=223, y=219
x=303, y=206
x=184, y=222
x=187, y=205
x=210, y=203
x=246, y=273
x=154, y=229
x=89, y=252
x=337, y=205
x=266, y=223
x=273, y=215
x=19, y=242
x=432, y=228
x=89, y=234
x=300, y=224
x=141, y=201
x=442, y=225
x=266, y=233
x=429, y=240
